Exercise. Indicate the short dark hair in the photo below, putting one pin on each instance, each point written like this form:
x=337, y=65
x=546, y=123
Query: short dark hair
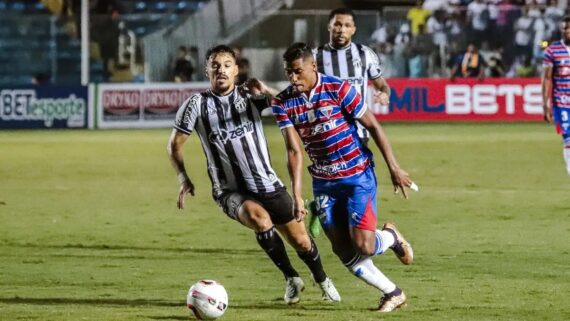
x=298, y=50
x=566, y=19
x=218, y=50
x=345, y=11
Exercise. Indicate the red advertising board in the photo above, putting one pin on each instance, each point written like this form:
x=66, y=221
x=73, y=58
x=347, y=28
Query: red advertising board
x=497, y=99
x=142, y=105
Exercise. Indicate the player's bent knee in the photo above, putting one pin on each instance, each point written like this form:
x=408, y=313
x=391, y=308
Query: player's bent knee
x=256, y=216
x=301, y=243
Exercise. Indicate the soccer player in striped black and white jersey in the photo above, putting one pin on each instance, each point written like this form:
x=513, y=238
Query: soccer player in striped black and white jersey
x=556, y=87
x=322, y=112
x=353, y=62
x=228, y=123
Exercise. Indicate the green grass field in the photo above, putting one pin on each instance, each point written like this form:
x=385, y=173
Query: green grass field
x=90, y=231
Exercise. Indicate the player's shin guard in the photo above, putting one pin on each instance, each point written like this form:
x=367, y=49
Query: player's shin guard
x=273, y=245
x=364, y=269
x=312, y=259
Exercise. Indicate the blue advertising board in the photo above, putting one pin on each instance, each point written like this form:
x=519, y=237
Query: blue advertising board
x=44, y=107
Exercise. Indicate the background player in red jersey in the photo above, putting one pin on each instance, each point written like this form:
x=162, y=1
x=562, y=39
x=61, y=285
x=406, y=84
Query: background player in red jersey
x=556, y=87
x=322, y=111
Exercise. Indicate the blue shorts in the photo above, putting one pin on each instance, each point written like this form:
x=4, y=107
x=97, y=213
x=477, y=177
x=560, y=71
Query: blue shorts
x=562, y=120
x=349, y=201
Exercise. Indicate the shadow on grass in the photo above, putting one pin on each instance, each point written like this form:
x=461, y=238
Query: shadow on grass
x=135, y=248
x=66, y=301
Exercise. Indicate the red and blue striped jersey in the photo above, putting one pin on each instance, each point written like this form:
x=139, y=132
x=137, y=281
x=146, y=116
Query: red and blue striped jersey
x=326, y=123
x=557, y=56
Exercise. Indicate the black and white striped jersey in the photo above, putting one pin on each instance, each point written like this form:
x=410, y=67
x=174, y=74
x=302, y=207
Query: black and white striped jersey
x=355, y=63
x=231, y=133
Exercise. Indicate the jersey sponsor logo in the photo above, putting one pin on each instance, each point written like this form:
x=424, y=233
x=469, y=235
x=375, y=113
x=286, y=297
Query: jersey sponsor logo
x=223, y=135
x=329, y=169
x=358, y=81
x=324, y=127
x=564, y=71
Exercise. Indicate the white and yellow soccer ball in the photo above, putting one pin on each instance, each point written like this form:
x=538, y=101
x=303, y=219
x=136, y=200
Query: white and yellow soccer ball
x=207, y=299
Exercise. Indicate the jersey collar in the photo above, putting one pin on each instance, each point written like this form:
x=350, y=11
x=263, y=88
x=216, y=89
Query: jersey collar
x=343, y=48
x=317, y=84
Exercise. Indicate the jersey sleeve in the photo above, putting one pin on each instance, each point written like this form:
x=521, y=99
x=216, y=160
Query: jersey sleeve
x=350, y=100
x=373, y=67
x=548, y=59
x=260, y=102
x=281, y=117
x=188, y=114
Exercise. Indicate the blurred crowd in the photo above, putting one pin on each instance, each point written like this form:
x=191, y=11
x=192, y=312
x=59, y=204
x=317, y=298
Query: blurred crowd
x=470, y=38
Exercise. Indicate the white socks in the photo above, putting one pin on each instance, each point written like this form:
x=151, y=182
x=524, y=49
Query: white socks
x=365, y=270
x=384, y=240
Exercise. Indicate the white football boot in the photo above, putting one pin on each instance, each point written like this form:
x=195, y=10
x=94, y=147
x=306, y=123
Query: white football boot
x=294, y=286
x=329, y=291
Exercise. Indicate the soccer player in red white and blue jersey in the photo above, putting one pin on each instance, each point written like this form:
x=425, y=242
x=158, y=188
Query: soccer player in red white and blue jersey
x=556, y=87
x=323, y=112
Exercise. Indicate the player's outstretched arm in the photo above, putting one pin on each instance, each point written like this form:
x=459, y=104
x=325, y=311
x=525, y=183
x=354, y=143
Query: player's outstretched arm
x=400, y=178
x=546, y=94
x=175, y=148
x=257, y=87
x=295, y=167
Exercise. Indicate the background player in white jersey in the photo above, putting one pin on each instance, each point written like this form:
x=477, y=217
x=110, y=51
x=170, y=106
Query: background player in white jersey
x=355, y=63
x=227, y=120
x=556, y=87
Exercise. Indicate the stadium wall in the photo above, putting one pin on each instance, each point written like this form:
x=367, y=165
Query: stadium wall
x=155, y=105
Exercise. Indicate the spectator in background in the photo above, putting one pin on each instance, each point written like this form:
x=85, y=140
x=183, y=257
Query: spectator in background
x=479, y=18
x=105, y=17
x=455, y=27
x=183, y=68
x=380, y=35
x=243, y=65
x=418, y=51
x=469, y=65
x=539, y=31
x=417, y=16
x=553, y=15
x=71, y=12
x=495, y=67
x=525, y=32
x=437, y=28
x=401, y=44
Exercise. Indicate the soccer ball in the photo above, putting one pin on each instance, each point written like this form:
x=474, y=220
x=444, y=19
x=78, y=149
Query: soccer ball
x=207, y=299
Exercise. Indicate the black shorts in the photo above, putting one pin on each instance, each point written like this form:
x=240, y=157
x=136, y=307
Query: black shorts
x=278, y=204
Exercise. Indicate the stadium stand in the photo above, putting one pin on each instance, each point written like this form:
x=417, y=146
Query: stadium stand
x=35, y=37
